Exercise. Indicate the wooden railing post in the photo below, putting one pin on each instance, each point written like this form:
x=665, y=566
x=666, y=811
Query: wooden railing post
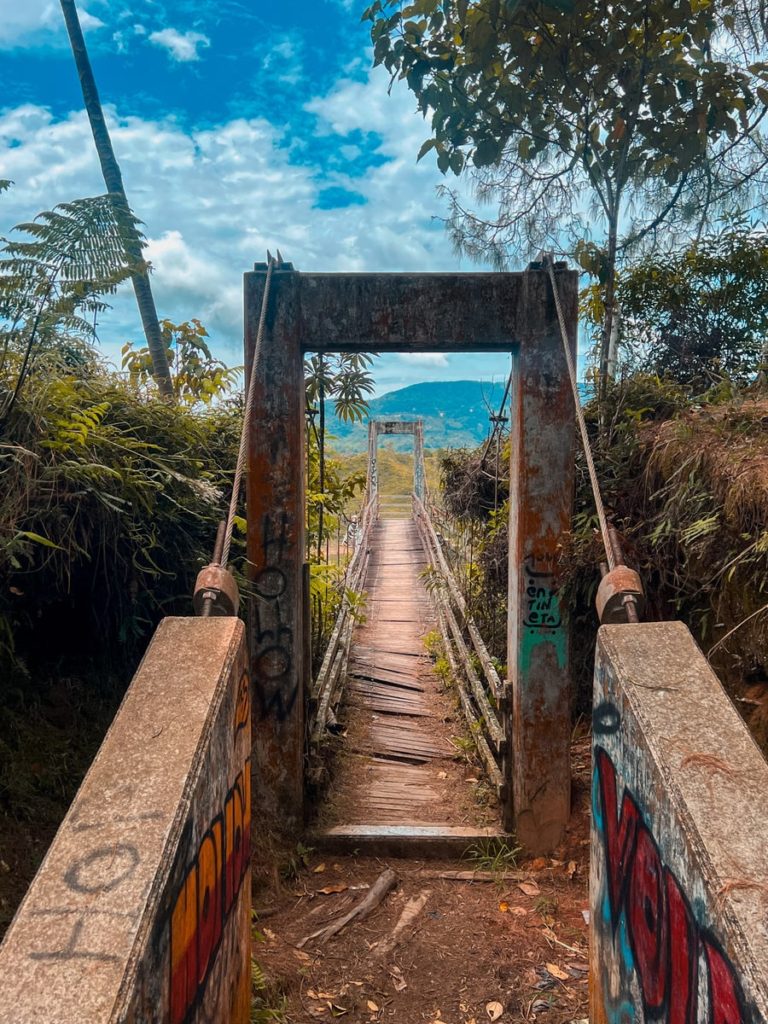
x=541, y=497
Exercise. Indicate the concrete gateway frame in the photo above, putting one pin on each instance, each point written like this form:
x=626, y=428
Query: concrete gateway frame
x=491, y=312
x=389, y=427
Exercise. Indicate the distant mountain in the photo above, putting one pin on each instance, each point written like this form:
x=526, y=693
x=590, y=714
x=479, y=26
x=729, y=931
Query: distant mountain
x=455, y=414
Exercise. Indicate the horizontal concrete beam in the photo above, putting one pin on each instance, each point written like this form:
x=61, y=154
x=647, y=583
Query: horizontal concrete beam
x=140, y=911
x=679, y=853
x=406, y=312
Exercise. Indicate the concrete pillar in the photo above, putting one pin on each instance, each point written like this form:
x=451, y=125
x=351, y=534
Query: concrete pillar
x=678, y=852
x=276, y=545
x=419, y=481
x=373, y=475
x=141, y=910
x=541, y=498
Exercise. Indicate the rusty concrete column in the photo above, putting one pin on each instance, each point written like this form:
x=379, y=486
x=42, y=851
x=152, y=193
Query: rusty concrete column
x=419, y=475
x=541, y=499
x=276, y=544
x=373, y=473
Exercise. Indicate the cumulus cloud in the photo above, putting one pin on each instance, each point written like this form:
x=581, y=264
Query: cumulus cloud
x=214, y=200
x=35, y=21
x=182, y=46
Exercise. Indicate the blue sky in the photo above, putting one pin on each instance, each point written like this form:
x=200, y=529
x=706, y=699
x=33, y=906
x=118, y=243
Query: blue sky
x=238, y=126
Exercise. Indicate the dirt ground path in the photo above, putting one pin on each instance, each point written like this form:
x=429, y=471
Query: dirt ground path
x=512, y=949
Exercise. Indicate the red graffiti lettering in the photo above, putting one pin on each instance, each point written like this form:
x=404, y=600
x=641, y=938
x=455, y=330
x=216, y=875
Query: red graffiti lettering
x=724, y=997
x=647, y=914
x=620, y=831
x=663, y=933
x=683, y=955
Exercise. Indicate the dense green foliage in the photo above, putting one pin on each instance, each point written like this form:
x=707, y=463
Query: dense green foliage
x=581, y=118
x=108, y=507
x=699, y=315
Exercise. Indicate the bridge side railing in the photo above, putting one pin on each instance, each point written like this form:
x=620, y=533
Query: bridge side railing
x=485, y=699
x=327, y=686
x=141, y=909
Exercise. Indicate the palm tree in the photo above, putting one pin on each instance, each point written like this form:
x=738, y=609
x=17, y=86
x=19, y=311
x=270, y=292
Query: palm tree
x=114, y=182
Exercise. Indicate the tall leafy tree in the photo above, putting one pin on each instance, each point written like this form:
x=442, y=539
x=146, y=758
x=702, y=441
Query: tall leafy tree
x=700, y=315
x=114, y=182
x=345, y=379
x=577, y=116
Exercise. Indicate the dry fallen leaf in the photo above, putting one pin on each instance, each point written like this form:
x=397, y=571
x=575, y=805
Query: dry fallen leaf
x=372, y=1006
x=397, y=979
x=538, y=864
x=320, y=868
x=328, y=889
x=442, y=775
x=503, y=906
x=558, y=972
x=529, y=888
x=494, y=1010
x=572, y=868
x=519, y=911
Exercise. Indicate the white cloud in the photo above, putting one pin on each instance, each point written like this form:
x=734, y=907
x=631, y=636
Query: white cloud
x=182, y=46
x=425, y=358
x=31, y=22
x=283, y=60
x=214, y=200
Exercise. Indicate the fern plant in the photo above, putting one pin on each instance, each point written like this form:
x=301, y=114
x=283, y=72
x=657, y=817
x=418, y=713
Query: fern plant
x=53, y=281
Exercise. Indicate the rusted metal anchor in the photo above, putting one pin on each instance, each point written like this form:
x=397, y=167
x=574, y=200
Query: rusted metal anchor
x=620, y=597
x=215, y=591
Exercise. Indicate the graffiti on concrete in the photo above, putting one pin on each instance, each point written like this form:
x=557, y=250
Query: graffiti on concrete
x=542, y=609
x=206, y=897
x=272, y=639
x=101, y=868
x=683, y=975
x=242, y=703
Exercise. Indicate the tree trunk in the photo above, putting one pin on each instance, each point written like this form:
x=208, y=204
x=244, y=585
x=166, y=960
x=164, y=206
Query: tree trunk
x=606, y=369
x=321, y=453
x=114, y=182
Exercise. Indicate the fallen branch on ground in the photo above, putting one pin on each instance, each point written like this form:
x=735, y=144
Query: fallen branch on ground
x=387, y=880
x=410, y=912
x=477, y=876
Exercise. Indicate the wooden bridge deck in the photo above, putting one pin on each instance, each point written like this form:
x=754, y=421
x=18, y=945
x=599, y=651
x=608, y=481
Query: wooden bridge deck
x=401, y=777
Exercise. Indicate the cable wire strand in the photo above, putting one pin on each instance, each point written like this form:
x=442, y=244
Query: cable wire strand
x=604, y=529
x=246, y=419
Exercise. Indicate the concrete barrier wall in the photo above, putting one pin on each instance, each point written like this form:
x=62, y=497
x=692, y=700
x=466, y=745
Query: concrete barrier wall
x=140, y=911
x=679, y=852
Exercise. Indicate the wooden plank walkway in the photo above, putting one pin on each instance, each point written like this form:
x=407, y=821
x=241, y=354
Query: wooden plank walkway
x=401, y=776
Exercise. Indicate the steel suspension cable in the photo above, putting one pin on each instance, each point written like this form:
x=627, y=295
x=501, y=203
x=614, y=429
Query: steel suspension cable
x=604, y=528
x=246, y=419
